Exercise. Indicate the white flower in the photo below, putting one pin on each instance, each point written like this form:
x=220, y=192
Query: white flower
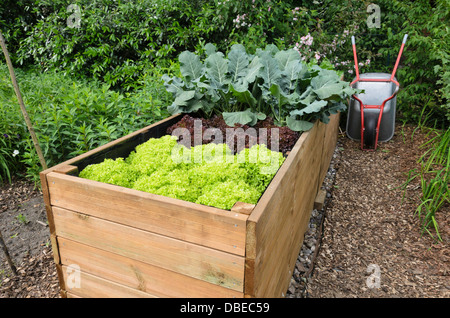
x=15, y=153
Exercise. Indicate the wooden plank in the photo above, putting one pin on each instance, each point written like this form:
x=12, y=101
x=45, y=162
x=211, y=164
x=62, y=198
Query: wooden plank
x=277, y=224
x=196, y=261
x=199, y=224
x=67, y=169
x=138, y=275
x=320, y=199
x=80, y=284
x=242, y=207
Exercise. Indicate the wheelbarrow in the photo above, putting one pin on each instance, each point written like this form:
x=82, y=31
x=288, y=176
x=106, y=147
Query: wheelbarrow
x=371, y=115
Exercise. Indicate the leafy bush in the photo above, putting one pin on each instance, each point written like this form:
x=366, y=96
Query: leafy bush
x=258, y=23
x=424, y=69
x=16, y=17
x=205, y=174
x=116, y=40
x=70, y=116
x=245, y=88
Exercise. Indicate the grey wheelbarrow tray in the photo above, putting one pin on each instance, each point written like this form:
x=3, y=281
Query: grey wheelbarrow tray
x=371, y=115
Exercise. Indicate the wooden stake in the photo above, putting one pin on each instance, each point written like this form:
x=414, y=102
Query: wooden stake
x=8, y=258
x=22, y=105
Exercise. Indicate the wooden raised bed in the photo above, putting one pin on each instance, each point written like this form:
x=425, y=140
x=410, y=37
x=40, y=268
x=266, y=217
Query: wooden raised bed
x=110, y=241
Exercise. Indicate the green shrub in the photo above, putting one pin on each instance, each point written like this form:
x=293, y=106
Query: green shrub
x=257, y=23
x=71, y=116
x=116, y=40
x=424, y=68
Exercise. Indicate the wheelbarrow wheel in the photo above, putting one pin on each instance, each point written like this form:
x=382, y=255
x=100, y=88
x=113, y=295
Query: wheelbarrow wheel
x=370, y=132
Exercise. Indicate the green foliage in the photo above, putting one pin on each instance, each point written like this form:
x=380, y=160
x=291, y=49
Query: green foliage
x=425, y=72
x=258, y=23
x=245, y=88
x=16, y=18
x=435, y=190
x=206, y=174
x=5, y=156
x=434, y=177
x=116, y=40
x=70, y=116
x=424, y=68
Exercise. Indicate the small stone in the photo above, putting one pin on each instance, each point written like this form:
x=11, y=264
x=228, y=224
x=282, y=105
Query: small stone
x=292, y=289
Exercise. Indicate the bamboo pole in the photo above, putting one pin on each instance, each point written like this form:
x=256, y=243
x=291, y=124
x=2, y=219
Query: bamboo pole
x=8, y=258
x=22, y=105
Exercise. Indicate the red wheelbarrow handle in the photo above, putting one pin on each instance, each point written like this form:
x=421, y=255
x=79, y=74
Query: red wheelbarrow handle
x=405, y=37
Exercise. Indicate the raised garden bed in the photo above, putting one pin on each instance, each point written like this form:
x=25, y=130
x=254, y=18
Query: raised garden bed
x=111, y=241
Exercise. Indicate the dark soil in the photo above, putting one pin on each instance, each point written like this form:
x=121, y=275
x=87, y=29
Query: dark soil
x=23, y=224
x=242, y=136
x=367, y=226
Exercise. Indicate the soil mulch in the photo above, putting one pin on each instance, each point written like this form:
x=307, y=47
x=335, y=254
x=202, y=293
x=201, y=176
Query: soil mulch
x=372, y=244
x=368, y=232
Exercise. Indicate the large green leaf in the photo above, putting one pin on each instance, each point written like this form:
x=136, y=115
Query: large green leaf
x=187, y=102
x=282, y=98
x=238, y=62
x=314, y=107
x=298, y=125
x=308, y=96
x=253, y=70
x=184, y=97
x=270, y=70
x=190, y=66
x=246, y=117
x=294, y=70
x=217, y=70
x=210, y=49
x=284, y=57
x=244, y=96
x=173, y=84
x=327, y=84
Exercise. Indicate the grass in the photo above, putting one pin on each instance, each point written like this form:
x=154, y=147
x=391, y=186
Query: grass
x=434, y=178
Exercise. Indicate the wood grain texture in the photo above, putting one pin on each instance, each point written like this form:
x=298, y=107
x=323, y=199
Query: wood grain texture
x=138, y=275
x=130, y=243
x=190, y=222
x=210, y=265
x=81, y=284
x=276, y=227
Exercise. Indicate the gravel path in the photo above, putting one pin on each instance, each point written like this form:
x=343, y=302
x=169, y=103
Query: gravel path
x=370, y=244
